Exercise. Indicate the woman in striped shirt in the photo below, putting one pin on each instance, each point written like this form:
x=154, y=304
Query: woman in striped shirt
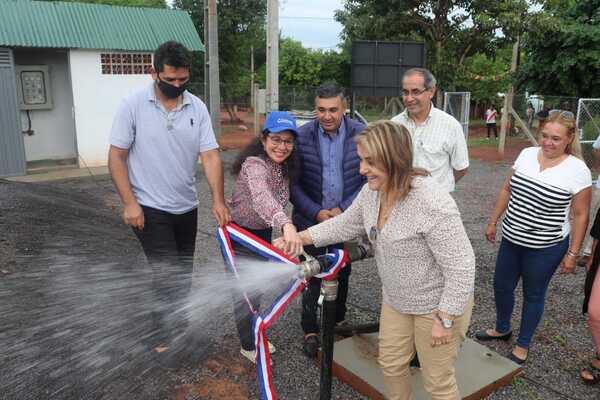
x=549, y=186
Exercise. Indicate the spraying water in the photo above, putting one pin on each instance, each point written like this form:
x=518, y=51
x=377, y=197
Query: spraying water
x=76, y=315
x=93, y=320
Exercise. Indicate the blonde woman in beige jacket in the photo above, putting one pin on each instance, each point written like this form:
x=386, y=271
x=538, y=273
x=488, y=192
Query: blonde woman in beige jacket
x=424, y=259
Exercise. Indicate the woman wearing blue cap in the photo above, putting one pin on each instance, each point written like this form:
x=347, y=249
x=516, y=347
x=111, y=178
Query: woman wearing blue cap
x=264, y=170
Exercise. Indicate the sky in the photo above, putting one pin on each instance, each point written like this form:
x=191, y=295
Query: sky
x=311, y=22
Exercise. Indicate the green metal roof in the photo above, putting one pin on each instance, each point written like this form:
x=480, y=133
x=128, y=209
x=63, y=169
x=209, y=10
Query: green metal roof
x=25, y=23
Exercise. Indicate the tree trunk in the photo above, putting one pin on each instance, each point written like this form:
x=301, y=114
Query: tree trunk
x=439, y=100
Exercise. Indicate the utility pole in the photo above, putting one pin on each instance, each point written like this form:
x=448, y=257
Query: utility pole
x=272, y=55
x=252, y=78
x=214, y=98
x=206, y=72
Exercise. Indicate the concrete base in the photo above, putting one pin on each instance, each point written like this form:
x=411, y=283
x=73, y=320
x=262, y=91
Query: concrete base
x=59, y=174
x=479, y=370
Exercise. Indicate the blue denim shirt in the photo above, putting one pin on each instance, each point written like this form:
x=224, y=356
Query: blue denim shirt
x=332, y=155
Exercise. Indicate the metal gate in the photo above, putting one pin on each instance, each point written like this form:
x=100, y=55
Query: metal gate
x=12, y=149
x=588, y=119
x=458, y=104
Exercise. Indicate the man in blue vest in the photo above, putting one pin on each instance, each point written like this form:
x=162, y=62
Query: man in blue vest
x=328, y=183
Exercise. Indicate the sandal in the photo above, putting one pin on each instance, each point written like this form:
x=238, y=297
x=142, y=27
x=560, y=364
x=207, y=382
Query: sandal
x=593, y=372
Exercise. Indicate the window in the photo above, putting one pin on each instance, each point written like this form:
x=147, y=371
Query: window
x=125, y=63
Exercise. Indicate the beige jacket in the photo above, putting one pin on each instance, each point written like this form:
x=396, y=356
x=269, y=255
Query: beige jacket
x=423, y=255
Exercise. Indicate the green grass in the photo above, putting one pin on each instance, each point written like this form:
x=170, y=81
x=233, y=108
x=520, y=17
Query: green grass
x=373, y=115
x=481, y=141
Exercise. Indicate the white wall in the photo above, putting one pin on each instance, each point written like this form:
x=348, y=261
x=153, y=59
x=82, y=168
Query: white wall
x=95, y=98
x=54, y=131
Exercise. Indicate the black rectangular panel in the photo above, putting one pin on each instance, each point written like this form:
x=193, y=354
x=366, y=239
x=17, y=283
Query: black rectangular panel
x=377, y=67
x=363, y=53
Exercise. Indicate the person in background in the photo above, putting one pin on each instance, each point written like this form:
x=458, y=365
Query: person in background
x=591, y=304
x=595, y=205
x=157, y=135
x=547, y=185
x=328, y=182
x=438, y=138
x=541, y=116
x=529, y=113
x=424, y=258
x=263, y=173
x=490, y=121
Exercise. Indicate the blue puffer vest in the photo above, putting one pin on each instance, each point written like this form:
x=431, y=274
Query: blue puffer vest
x=306, y=192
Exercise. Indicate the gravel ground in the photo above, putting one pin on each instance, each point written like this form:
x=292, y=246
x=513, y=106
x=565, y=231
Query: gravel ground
x=78, y=220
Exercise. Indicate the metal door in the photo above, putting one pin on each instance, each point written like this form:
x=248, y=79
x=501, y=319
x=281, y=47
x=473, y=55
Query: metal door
x=12, y=149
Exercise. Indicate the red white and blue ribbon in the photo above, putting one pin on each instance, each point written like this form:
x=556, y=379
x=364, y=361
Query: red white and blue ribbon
x=263, y=321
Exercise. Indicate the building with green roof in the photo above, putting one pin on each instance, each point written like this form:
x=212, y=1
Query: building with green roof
x=65, y=67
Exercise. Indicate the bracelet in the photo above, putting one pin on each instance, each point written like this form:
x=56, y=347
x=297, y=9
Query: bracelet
x=572, y=254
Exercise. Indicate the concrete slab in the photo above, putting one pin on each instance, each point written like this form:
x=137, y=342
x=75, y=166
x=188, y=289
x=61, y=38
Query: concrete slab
x=59, y=174
x=479, y=370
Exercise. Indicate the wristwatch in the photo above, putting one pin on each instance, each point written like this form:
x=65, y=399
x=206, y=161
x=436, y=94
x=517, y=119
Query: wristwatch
x=447, y=323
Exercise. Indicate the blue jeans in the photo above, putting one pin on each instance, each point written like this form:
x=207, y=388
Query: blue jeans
x=536, y=267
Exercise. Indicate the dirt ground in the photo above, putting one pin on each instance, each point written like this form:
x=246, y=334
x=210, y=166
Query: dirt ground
x=65, y=333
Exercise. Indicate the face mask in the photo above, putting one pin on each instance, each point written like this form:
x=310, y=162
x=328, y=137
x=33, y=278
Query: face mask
x=170, y=91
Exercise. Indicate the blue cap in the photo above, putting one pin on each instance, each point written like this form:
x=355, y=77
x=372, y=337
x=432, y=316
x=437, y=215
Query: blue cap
x=279, y=121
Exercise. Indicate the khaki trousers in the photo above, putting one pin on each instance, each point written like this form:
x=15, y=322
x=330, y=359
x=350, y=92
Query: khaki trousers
x=400, y=335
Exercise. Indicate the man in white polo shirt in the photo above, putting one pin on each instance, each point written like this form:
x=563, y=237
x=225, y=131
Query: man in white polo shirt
x=157, y=135
x=438, y=140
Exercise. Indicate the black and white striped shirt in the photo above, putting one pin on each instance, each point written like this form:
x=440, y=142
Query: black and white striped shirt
x=537, y=215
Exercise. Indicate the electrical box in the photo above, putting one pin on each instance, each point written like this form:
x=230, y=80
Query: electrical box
x=33, y=87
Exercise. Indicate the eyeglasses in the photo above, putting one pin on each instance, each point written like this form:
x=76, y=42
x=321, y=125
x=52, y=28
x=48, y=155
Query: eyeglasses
x=277, y=141
x=373, y=234
x=562, y=113
x=413, y=92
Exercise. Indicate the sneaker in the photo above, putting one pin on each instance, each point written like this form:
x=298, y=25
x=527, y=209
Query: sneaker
x=251, y=355
x=311, y=345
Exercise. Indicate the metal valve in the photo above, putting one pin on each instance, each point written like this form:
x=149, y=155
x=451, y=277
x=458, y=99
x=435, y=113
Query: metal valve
x=310, y=267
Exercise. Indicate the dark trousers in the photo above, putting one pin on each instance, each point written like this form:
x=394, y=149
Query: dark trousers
x=241, y=310
x=169, y=241
x=536, y=267
x=490, y=128
x=310, y=295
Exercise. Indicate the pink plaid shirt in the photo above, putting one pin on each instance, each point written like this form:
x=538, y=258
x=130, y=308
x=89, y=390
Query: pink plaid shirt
x=260, y=195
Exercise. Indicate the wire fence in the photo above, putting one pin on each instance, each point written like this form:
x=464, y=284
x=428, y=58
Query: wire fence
x=530, y=108
x=300, y=98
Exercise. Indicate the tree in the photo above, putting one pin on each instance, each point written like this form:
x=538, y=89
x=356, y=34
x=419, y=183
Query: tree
x=126, y=3
x=485, y=76
x=298, y=65
x=336, y=66
x=241, y=27
x=452, y=29
x=562, y=48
